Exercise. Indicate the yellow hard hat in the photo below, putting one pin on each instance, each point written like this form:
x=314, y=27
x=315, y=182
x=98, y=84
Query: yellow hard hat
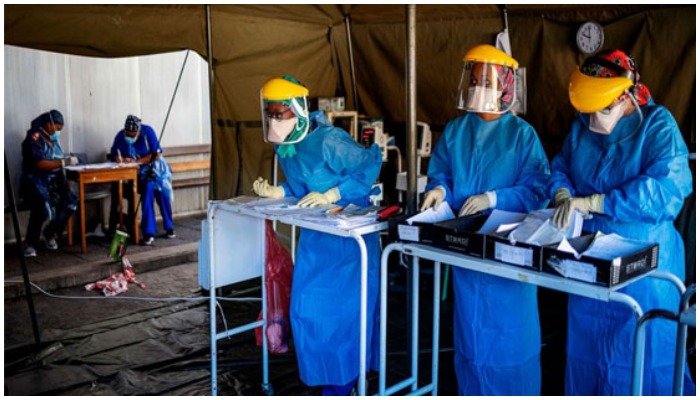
x=589, y=94
x=279, y=89
x=485, y=53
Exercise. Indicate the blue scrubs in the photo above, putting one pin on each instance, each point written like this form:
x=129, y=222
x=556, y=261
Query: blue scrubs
x=645, y=176
x=496, y=322
x=325, y=303
x=47, y=193
x=156, y=188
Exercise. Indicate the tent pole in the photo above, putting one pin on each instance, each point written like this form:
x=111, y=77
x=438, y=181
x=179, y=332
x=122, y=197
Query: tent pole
x=22, y=260
x=411, y=192
x=355, y=100
x=210, y=65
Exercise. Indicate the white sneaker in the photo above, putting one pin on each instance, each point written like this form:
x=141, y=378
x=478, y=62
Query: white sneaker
x=29, y=251
x=51, y=243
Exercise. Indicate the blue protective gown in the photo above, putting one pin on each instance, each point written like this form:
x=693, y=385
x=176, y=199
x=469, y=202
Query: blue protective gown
x=496, y=322
x=157, y=189
x=325, y=303
x=644, y=175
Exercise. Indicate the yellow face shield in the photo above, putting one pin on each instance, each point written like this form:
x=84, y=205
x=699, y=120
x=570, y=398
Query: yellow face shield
x=589, y=94
x=278, y=89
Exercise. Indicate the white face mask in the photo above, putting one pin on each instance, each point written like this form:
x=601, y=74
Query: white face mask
x=279, y=129
x=604, y=121
x=483, y=99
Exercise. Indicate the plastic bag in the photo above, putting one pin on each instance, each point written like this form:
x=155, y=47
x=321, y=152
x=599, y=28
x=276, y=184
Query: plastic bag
x=278, y=284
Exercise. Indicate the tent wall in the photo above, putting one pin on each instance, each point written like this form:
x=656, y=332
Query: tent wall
x=252, y=43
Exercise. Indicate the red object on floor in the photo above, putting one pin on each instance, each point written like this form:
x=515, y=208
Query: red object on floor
x=117, y=283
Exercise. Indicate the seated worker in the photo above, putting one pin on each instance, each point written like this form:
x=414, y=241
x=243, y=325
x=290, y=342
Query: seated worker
x=324, y=165
x=43, y=184
x=138, y=143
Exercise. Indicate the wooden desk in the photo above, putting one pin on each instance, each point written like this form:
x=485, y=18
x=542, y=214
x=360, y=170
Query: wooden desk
x=99, y=173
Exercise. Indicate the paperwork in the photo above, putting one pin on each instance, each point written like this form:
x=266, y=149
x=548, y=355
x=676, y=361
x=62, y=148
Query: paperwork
x=606, y=247
x=104, y=165
x=350, y=217
x=538, y=229
x=430, y=216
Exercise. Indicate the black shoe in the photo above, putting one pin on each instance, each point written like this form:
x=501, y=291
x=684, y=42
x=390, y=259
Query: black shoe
x=170, y=234
x=148, y=241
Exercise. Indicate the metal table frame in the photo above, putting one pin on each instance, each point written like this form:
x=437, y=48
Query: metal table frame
x=354, y=233
x=495, y=268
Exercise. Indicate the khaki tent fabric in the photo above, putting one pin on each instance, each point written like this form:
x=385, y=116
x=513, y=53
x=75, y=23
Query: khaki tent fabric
x=252, y=43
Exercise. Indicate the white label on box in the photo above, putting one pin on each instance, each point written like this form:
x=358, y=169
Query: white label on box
x=407, y=232
x=579, y=270
x=514, y=255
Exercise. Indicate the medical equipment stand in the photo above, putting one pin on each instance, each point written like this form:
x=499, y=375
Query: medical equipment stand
x=497, y=269
x=247, y=210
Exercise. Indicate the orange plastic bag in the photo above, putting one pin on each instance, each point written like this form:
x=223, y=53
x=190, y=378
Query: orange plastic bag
x=278, y=284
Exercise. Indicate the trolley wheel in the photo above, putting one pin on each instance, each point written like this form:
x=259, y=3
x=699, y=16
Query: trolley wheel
x=267, y=389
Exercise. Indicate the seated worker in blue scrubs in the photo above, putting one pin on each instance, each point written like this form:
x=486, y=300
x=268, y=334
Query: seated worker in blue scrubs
x=625, y=165
x=43, y=184
x=490, y=159
x=323, y=165
x=138, y=143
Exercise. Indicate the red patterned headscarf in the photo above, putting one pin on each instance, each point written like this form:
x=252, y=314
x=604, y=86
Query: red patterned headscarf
x=507, y=80
x=619, y=57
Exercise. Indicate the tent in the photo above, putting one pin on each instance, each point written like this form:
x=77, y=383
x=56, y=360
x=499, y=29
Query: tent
x=251, y=43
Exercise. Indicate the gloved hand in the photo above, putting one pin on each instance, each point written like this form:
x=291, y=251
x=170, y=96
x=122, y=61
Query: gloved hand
x=433, y=198
x=585, y=205
x=264, y=189
x=561, y=195
x=314, y=199
x=474, y=204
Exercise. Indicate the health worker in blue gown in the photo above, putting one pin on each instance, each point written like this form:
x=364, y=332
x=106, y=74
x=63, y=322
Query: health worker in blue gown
x=323, y=165
x=138, y=143
x=490, y=159
x=43, y=184
x=625, y=165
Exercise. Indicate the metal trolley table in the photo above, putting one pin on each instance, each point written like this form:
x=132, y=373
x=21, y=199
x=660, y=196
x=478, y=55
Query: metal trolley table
x=220, y=216
x=497, y=269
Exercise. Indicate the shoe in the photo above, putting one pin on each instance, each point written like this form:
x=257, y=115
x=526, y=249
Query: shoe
x=170, y=234
x=51, y=243
x=148, y=241
x=29, y=251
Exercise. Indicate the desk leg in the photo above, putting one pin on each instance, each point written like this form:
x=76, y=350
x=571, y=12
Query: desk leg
x=120, y=205
x=136, y=211
x=83, y=241
x=69, y=227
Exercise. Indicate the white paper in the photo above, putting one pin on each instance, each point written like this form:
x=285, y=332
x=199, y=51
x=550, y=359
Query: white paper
x=579, y=270
x=104, y=165
x=609, y=247
x=566, y=247
x=500, y=218
x=430, y=216
x=407, y=232
x=512, y=254
x=538, y=229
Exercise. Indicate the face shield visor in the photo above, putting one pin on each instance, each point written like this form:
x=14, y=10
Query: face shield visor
x=488, y=88
x=285, y=111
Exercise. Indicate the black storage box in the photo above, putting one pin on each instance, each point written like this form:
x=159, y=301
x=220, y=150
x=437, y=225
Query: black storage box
x=499, y=248
x=461, y=235
x=402, y=231
x=598, y=271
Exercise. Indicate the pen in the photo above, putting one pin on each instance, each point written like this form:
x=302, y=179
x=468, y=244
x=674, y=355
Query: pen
x=335, y=210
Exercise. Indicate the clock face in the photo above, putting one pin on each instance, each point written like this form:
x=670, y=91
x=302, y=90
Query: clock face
x=589, y=38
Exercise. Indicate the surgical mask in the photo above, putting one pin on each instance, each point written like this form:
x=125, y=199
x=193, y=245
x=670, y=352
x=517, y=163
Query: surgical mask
x=604, y=121
x=482, y=99
x=55, y=136
x=130, y=140
x=279, y=129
